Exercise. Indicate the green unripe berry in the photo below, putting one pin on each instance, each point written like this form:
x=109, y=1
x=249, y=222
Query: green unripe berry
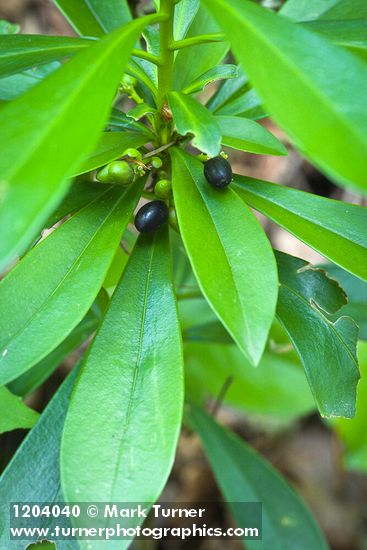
x=162, y=189
x=156, y=162
x=118, y=172
x=132, y=153
x=128, y=80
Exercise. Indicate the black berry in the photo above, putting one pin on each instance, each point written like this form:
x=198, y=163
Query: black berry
x=218, y=172
x=151, y=216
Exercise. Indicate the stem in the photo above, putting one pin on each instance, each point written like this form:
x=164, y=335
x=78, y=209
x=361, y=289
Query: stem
x=165, y=70
x=147, y=56
x=197, y=40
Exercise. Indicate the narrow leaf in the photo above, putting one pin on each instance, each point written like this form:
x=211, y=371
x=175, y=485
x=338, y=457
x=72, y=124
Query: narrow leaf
x=229, y=253
x=111, y=146
x=264, y=44
x=95, y=17
x=69, y=267
x=244, y=476
x=24, y=51
x=60, y=121
x=193, y=61
x=33, y=474
x=335, y=229
x=13, y=86
x=221, y=72
x=14, y=414
x=193, y=118
x=247, y=135
x=34, y=377
x=327, y=348
x=351, y=34
x=119, y=120
x=126, y=409
x=185, y=12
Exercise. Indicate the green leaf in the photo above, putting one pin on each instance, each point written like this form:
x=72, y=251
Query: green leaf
x=244, y=476
x=95, y=17
x=315, y=83
x=306, y=10
x=34, y=377
x=60, y=121
x=352, y=432
x=191, y=62
x=111, y=146
x=13, y=86
x=24, y=51
x=8, y=28
x=276, y=387
x=14, y=414
x=334, y=228
x=191, y=117
x=119, y=120
x=357, y=297
x=229, y=253
x=221, y=72
x=326, y=348
x=351, y=34
x=69, y=268
x=247, y=135
x=140, y=111
x=33, y=474
x=185, y=12
x=81, y=193
x=127, y=406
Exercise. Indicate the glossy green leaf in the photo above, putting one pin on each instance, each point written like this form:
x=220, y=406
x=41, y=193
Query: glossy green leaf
x=185, y=12
x=326, y=348
x=235, y=97
x=247, y=135
x=221, y=72
x=351, y=34
x=14, y=414
x=124, y=417
x=244, y=476
x=334, y=228
x=229, y=253
x=120, y=121
x=191, y=62
x=95, y=17
x=33, y=473
x=140, y=111
x=191, y=117
x=69, y=268
x=357, y=296
x=276, y=387
x=81, y=193
x=24, y=51
x=280, y=53
x=34, y=377
x=352, y=432
x=137, y=70
x=306, y=10
x=13, y=86
x=60, y=122
x=111, y=146
x=8, y=28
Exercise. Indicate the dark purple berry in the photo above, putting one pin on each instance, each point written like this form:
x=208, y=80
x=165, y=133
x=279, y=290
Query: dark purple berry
x=151, y=216
x=218, y=172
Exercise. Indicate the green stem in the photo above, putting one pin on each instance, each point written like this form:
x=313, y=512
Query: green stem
x=165, y=70
x=148, y=57
x=197, y=40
